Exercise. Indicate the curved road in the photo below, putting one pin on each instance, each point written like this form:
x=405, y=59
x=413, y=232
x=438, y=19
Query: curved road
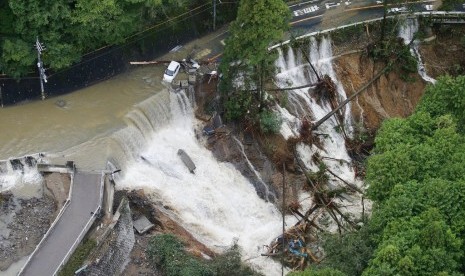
x=70, y=228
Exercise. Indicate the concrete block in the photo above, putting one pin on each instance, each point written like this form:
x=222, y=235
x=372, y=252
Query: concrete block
x=142, y=225
x=192, y=79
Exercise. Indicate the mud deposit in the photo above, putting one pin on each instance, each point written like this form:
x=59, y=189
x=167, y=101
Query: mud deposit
x=22, y=225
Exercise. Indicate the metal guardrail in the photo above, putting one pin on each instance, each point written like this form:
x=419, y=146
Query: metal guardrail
x=363, y=22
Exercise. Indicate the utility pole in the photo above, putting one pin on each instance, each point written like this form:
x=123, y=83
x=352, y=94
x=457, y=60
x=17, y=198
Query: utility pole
x=214, y=14
x=43, y=78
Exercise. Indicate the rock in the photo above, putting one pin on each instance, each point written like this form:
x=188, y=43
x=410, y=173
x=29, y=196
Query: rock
x=60, y=103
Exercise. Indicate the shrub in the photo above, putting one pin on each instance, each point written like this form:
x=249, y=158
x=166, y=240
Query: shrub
x=237, y=105
x=167, y=253
x=270, y=122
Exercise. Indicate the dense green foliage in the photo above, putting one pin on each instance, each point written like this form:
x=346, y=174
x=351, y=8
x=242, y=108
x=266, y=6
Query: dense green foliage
x=238, y=104
x=416, y=178
x=270, y=122
x=449, y=5
x=417, y=183
x=349, y=253
x=446, y=97
x=167, y=253
x=246, y=59
x=70, y=29
x=258, y=24
x=420, y=244
x=77, y=259
x=418, y=148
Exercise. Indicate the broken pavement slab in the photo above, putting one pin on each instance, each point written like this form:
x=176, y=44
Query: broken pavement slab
x=142, y=225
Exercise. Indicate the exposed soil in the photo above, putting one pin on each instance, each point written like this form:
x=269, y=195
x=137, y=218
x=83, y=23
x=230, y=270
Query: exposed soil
x=445, y=54
x=391, y=96
x=141, y=205
x=30, y=219
x=388, y=97
x=23, y=223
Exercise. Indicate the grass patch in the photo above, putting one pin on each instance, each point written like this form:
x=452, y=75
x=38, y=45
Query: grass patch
x=78, y=258
x=167, y=253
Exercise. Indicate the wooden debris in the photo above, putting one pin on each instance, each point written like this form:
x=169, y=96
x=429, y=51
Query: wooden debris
x=150, y=62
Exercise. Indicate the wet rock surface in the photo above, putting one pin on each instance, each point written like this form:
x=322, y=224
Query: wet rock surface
x=22, y=225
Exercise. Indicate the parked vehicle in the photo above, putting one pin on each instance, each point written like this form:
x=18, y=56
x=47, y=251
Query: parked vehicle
x=331, y=5
x=171, y=71
x=428, y=7
x=397, y=10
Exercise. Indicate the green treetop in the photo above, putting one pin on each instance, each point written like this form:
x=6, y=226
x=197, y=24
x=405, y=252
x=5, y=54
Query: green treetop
x=246, y=57
x=69, y=29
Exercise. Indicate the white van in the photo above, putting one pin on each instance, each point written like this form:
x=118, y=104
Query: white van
x=171, y=71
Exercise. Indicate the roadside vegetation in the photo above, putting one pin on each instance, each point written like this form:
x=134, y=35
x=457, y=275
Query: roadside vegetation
x=247, y=65
x=448, y=5
x=76, y=260
x=167, y=253
x=71, y=29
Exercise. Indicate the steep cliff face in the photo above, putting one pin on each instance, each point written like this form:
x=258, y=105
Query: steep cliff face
x=389, y=96
x=392, y=96
x=446, y=53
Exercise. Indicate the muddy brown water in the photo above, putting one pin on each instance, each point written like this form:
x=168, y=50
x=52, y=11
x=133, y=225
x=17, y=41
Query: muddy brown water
x=78, y=122
x=60, y=123
x=78, y=126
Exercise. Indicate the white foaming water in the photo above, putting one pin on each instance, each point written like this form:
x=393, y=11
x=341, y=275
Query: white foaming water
x=21, y=177
x=216, y=204
x=407, y=32
x=268, y=195
x=296, y=72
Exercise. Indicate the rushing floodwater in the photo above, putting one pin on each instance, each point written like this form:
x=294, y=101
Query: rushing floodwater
x=216, y=204
x=43, y=126
x=295, y=71
x=407, y=32
x=133, y=116
x=134, y=122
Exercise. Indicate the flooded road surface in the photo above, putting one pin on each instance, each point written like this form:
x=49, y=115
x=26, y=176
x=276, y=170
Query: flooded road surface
x=45, y=126
x=77, y=123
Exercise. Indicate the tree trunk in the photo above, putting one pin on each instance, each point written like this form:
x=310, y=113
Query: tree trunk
x=383, y=26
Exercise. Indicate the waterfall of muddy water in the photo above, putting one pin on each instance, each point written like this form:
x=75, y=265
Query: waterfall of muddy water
x=407, y=32
x=216, y=204
x=295, y=71
x=70, y=127
x=80, y=118
x=263, y=188
x=20, y=176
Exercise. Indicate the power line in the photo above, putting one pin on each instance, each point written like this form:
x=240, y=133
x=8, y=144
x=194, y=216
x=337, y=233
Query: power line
x=154, y=26
x=170, y=20
x=198, y=10
x=130, y=41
